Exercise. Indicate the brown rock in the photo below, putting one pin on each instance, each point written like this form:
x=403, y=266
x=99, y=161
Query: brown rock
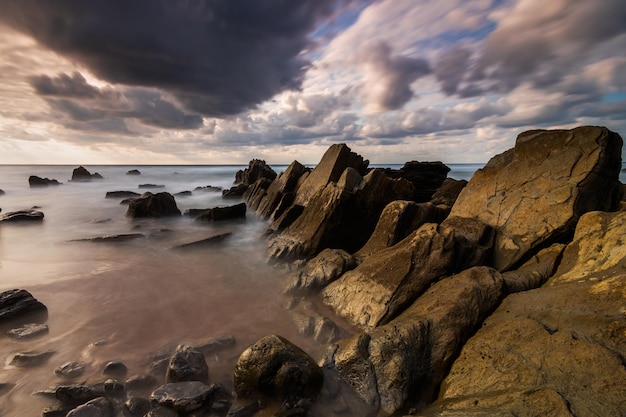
x=320, y=271
x=426, y=177
x=153, y=205
x=534, y=193
x=448, y=192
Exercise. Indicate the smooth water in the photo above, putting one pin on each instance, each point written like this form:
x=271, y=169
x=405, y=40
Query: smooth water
x=135, y=297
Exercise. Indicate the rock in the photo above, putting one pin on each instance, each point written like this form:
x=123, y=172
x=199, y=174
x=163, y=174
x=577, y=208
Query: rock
x=22, y=215
x=209, y=241
x=534, y=194
x=398, y=220
x=256, y=169
x=320, y=271
x=57, y=410
x=30, y=359
x=162, y=412
x=126, y=201
x=391, y=279
x=70, y=370
x=121, y=194
x=256, y=192
x=77, y=393
x=153, y=205
x=326, y=331
x=141, y=383
x=243, y=409
x=330, y=168
x=35, y=181
x=133, y=172
x=187, y=364
x=474, y=241
x=403, y=362
x=113, y=387
x=2, y=192
x=342, y=216
x=28, y=331
x=286, y=219
x=286, y=182
x=216, y=214
x=448, y=192
x=98, y=407
x=535, y=272
x=183, y=194
x=151, y=186
x=115, y=369
x=20, y=306
x=209, y=188
x=555, y=350
x=235, y=191
x=278, y=369
x=81, y=174
x=182, y=396
x=426, y=177
x=136, y=406
x=215, y=344
x=125, y=237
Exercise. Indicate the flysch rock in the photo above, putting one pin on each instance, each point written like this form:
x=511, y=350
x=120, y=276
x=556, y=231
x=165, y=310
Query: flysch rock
x=534, y=194
x=555, y=350
x=22, y=216
x=18, y=305
x=286, y=182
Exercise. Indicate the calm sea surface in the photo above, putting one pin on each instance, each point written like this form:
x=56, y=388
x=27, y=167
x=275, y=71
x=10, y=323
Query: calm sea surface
x=140, y=296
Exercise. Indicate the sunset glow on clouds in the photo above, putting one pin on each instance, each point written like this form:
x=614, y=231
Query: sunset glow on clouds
x=225, y=81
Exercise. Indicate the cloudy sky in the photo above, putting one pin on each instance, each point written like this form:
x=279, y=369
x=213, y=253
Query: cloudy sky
x=224, y=81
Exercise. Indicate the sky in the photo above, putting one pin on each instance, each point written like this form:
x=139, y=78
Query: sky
x=226, y=81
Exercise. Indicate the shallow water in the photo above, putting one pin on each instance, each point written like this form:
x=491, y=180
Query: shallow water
x=140, y=296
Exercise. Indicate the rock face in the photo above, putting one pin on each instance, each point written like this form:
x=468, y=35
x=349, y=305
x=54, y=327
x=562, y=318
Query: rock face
x=448, y=192
x=285, y=183
x=22, y=216
x=81, y=174
x=19, y=305
x=555, y=350
x=153, y=205
x=278, y=369
x=403, y=362
x=35, y=181
x=426, y=177
x=320, y=271
x=534, y=193
x=341, y=216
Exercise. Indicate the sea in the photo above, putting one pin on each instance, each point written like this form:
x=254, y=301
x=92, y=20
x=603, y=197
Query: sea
x=124, y=301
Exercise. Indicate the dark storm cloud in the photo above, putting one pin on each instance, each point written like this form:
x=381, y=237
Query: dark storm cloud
x=451, y=68
x=217, y=57
x=64, y=85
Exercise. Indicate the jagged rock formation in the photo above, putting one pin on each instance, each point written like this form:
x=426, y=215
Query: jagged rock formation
x=153, y=205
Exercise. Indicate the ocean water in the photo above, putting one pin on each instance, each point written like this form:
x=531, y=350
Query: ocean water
x=125, y=300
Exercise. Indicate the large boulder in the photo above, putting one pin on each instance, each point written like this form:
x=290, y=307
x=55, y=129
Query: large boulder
x=402, y=363
x=555, y=350
x=153, y=205
x=20, y=305
x=276, y=368
x=426, y=177
x=341, y=216
x=391, y=279
x=534, y=194
x=334, y=162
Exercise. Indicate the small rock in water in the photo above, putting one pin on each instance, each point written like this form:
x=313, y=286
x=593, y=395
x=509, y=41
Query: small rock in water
x=30, y=359
x=19, y=305
x=182, y=396
x=98, y=407
x=115, y=370
x=22, y=215
x=28, y=331
x=183, y=194
x=70, y=370
x=77, y=393
x=133, y=172
x=113, y=387
x=121, y=194
x=151, y=186
x=187, y=364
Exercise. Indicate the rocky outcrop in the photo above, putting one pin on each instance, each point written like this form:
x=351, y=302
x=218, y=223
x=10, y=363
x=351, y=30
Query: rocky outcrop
x=153, y=205
x=35, y=181
x=341, y=216
x=20, y=306
x=399, y=219
x=256, y=169
x=554, y=350
x=22, y=216
x=286, y=182
x=238, y=211
x=448, y=192
x=81, y=174
x=534, y=194
x=276, y=368
x=320, y=271
x=426, y=177
x=403, y=362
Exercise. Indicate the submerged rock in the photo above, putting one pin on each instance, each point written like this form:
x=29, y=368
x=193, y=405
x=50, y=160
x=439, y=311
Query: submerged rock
x=28, y=331
x=202, y=243
x=151, y=186
x=70, y=370
x=217, y=214
x=153, y=205
x=22, y=215
x=30, y=359
x=182, y=396
x=133, y=172
x=121, y=194
x=35, y=181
